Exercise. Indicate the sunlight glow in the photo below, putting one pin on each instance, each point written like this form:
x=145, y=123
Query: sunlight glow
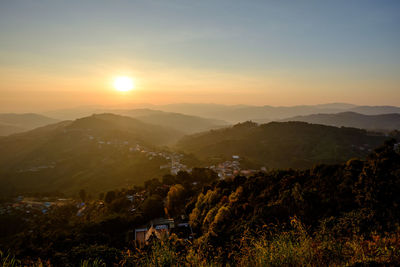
x=123, y=84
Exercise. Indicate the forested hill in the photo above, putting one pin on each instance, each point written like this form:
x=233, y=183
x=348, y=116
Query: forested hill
x=360, y=197
x=117, y=126
x=180, y=122
x=282, y=144
x=382, y=122
x=93, y=153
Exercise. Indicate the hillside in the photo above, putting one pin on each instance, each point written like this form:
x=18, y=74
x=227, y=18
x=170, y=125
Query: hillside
x=384, y=122
x=263, y=114
x=92, y=153
x=375, y=110
x=6, y=129
x=14, y=123
x=282, y=144
x=184, y=123
x=187, y=124
x=238, y=113
x=217, y=115
x=329, y=215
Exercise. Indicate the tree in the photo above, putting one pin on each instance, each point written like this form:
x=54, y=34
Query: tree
x=152, y=185
x=184, y=178
x=120, y=204
x=110, y=196
x=168, y=179
x=153, y=207
x=203, y=175
x=175, y=199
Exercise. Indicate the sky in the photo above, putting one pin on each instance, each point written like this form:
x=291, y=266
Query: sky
x=63, y=53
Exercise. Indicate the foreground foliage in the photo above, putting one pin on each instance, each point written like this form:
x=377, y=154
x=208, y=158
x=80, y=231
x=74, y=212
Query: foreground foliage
x=340, y=215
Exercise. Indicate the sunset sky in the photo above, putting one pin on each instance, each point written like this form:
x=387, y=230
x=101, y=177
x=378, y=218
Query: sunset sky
x=60, y=54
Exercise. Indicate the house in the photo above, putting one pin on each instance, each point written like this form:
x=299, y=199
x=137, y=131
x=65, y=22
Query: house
x=140, y=234
x=155, y=228
x=263, y=169
x=166, y=166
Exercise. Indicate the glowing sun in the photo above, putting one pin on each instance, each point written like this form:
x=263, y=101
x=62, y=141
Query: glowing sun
x=123, y=84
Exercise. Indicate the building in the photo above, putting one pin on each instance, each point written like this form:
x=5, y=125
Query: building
x=155, y=228
x=162, y=227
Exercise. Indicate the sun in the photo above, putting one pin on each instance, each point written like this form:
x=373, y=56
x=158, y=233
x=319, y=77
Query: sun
x=123, y=84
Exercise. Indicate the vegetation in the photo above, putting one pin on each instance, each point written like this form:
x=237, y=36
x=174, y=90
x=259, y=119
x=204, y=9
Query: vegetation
x=263, y=114
x=382, y=122
x=91, y=153
x=282, y=145
x=181, y=122
x=344, y=214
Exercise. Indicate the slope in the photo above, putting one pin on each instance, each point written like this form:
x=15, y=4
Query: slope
x=282, y=144
x=384, y=122
x=92, y=153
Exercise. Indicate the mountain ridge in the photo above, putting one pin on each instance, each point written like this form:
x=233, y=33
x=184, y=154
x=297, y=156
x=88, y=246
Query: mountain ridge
x=282, y=144
x=382, y=122
x=94, y=152
x=11, y=123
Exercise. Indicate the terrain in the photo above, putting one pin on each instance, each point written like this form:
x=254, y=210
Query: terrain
x=230, y=114
x=383, y=122
x=282, y=144
x=14, y=123
x=85, y=153
x=329, y=215
x=178, y=121
x=181, y=122
x=262, y=114
x=97, y=153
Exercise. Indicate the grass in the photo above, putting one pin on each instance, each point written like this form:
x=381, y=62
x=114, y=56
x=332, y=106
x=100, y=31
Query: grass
x=269, y=247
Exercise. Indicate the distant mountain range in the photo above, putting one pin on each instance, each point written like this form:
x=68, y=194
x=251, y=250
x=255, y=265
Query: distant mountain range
x=282, y=144
x=95, y=152
x=181, y=122
x=92, y=153
x=262, y=114
x=11, y=123
x=211, y=115
x=384, y=122
x=375, y=110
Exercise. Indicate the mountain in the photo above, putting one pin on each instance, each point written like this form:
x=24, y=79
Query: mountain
x=263, y=114
x=93, y=152
x=75, y=113
x=14, y=123
x=281, y=144
x=230, y=114
x=238, y=113
x=185, y=123
x=375, y=110
x=117, y=126
x=6, y=129
x=384, y=122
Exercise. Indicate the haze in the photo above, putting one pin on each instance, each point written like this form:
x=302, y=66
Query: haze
x=61, y=54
